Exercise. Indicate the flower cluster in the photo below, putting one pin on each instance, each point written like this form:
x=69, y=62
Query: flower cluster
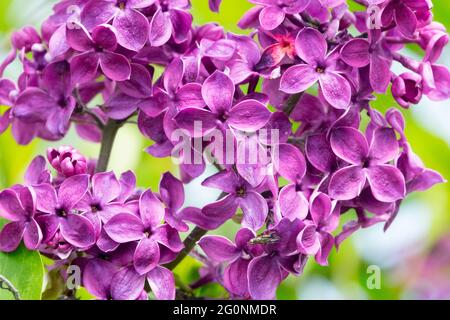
x=328, y=153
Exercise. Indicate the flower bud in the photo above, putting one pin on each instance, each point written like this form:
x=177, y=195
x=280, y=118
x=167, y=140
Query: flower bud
x=25, y=38
x=407, y=89
x=67, y=161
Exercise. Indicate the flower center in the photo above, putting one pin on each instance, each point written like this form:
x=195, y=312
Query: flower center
x=240, y=192
x=96, y=208
x=61, y=213
x=121, y=4
x=320, y=69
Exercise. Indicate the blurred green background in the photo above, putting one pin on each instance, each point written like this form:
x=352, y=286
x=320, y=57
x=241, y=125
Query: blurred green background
x=401, y=253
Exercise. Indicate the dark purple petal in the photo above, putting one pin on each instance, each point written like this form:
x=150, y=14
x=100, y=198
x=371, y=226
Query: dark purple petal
x=11, y=207
x=33, y=235
x=104, y=36
x=217, y=213
x=319, y=152
x=96, y=12
x=172, y=191
x=84, y=67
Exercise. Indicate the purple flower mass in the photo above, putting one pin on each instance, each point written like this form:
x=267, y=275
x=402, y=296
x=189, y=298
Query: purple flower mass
x=308, y=82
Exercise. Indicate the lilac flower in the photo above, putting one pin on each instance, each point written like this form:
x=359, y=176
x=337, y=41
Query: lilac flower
x=240, y=194
x=37, y=172
x=274, y=13
x=67, y=161
x=220, y=249
x=407, y=15
x=311, y=47
x=19, y=206
x=100, y=205
x=97, y=51
x=366, y=163
x=133, y=94
x=266, y=271
x=59, y=214
x=170, y=20
x=407, y=89
x=218, y=92
x=360, y=53
x=316, y=238
x=172, y=194
x=148, y=230
x=53, y=104
x=291, y=165
x=131, y=25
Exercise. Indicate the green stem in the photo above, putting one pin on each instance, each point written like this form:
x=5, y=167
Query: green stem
x=189, y=244
x=6, y=285
x=109, y=135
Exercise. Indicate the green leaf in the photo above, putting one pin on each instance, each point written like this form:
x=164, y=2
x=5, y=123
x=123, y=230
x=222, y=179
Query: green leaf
x=24, y=270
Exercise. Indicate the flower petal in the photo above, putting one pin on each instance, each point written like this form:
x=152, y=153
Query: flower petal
x=335, y=89
x=293, y=203
x=218, y=92
x=11, y=236
x=132, y=29
x=356, y=53
x=235, y=277
x=78, y=231
x=311, y=46
x=298, y=78
x=72, y=190
x=249, y=116
x=127, y=284
x=162, y=283
x=271, y=17
x=347, y=183
x=146, y=256
x=125, y=227
x=384, y=147
x=151, y=209
x=264, y=276
x=387, y=183
x=97, y=278
x=219, y=249
x=115, y=66
x=349, y=144
x=290, y=162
